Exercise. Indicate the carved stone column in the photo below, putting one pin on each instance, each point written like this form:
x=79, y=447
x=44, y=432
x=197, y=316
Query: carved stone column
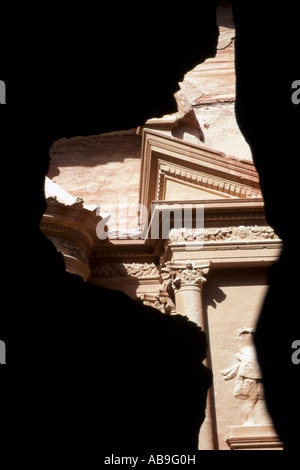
x=187, y=280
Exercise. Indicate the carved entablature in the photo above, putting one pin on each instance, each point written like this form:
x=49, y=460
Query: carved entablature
x=137, y=270
x=231, y=233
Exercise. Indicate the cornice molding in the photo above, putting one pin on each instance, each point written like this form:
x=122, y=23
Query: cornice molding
x=238, y=225
x=75, y=215
x=58, y=228
x=222, y=187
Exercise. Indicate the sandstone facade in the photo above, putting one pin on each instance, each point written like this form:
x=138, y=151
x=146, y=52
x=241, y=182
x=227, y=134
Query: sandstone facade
x=109, y=196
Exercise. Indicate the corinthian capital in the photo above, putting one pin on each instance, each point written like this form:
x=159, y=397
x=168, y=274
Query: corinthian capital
x=185, y=274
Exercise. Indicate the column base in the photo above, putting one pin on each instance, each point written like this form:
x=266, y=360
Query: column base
x=254, y=438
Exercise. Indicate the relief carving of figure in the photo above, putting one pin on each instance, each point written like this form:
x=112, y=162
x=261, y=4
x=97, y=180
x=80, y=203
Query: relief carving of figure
x=248, y=381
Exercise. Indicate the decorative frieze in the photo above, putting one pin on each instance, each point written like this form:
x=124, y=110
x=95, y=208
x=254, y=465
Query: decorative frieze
x=223, y=234
x=138, y=270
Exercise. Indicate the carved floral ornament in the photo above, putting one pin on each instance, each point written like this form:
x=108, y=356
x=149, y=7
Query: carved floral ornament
x=179, y=276
x=69, y=248
x=138, y=270
x=161, y=301
x=53, y=228
x=241, y=232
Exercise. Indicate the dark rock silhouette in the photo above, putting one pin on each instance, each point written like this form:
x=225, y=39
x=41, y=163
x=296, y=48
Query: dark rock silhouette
x=117, y=370
x=263, y=103
x=95, y=369
x=83, y=83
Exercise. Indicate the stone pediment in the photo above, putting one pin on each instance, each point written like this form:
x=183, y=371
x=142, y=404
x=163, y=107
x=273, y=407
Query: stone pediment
x=173, y=170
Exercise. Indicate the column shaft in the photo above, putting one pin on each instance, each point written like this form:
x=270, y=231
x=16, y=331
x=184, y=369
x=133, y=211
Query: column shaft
x=188, y=301
x=188, y=285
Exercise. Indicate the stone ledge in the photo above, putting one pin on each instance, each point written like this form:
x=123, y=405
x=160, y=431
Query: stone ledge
x=254, y=438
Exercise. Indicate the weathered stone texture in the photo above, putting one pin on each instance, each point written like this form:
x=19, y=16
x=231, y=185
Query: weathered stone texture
x=104, y=170
x=209, y=89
